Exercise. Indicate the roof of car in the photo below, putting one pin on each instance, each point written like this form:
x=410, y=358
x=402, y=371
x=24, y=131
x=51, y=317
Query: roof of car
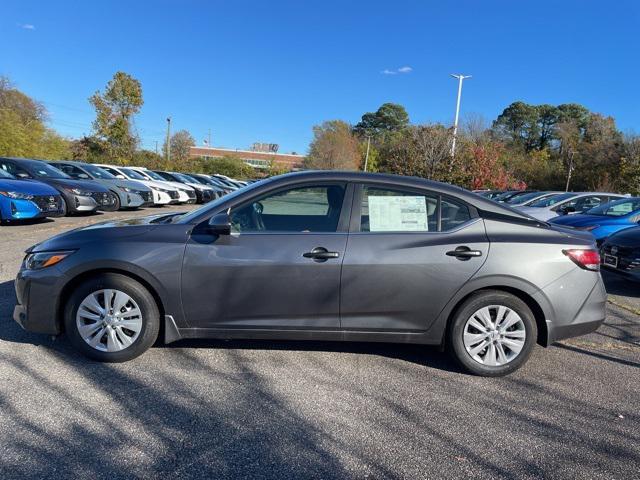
x=477, y=201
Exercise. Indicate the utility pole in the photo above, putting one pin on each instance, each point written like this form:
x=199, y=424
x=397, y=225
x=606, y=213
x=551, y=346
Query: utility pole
x=209, y=140
x=455, y=123
x=168, y=144
x=156, y=147
x=366, y=157
x=566, y=189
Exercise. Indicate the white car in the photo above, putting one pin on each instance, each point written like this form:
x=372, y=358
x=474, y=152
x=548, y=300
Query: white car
x=567, y=203
x=163, y=194
x=187, y=193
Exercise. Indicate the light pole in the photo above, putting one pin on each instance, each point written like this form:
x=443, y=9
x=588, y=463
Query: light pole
x=366, y=157
x=455, y=122
x=168, y=141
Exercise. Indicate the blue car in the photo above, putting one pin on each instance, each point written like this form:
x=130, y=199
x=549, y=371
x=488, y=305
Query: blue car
x=605, y=219
x=20, y=199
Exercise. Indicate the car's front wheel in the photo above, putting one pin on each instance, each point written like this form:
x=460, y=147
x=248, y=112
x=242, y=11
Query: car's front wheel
x=112, y=318
x=493, y=333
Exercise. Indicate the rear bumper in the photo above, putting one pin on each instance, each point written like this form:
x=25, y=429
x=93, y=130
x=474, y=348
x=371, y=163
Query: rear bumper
x=576, y=319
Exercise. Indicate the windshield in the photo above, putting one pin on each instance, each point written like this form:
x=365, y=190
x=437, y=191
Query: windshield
x=154, y=175
x=44, y=170
x=618, y=208
x=182, y=177
x=97, y=172
x=552, y=200
x=186, y=218
x=132, y=174
x=4, y=174
x=199, y=180
x=525, y=197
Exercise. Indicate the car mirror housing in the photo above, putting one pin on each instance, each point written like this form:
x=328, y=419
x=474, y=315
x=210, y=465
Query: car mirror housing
x=220, y=224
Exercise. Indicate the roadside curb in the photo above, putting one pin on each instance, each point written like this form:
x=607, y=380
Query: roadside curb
x=624, y=306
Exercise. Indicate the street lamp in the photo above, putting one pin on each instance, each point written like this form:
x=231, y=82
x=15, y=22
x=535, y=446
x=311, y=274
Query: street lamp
x=455, y=123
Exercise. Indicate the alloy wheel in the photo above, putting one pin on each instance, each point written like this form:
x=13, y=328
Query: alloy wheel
x=109, y=320
x=494, y=335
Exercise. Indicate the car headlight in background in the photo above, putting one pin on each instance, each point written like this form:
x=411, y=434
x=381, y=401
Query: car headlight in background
x=588, y=229
x=17, y=195
x=79, y=191
x=127, y=189
x=40, y=260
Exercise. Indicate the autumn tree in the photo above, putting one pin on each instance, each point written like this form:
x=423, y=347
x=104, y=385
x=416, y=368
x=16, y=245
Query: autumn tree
x=390, y=117
x=334, y=147
x=180, y=144
x=115, y=108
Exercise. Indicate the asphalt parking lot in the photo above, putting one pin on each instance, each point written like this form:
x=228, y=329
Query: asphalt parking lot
x=214, y=409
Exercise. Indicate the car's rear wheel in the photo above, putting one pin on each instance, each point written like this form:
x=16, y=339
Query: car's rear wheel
x=64, y=208
x=112, y=318
x=492, y=333
x=116, y=203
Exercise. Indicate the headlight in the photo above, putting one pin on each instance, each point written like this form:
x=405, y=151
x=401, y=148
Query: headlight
x=17, y=195
x=79, y=191
x=127, y=189
x=588, y=229
x=40, y=260
x=161, y=190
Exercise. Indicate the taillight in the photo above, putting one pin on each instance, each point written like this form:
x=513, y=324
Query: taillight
x=587, y=259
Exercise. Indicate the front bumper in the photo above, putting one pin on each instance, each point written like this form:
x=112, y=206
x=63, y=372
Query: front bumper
x=37, y=295
x=39, y=207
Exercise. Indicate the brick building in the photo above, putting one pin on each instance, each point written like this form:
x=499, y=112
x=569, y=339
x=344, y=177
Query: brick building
x=256, y=159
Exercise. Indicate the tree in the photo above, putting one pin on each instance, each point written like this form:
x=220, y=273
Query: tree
x=334, y=147
x=23, y=132
x=390, y=117
x=518, y=124
x=115, y=108
x=180, y=142
x=229, y=166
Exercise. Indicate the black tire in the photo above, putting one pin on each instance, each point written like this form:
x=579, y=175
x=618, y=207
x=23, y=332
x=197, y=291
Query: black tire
x=467, y=309
x=145, y=301
x=116, y=204
x=65, y=210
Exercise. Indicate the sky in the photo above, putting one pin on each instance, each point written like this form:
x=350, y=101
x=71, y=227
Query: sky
x=269, y=71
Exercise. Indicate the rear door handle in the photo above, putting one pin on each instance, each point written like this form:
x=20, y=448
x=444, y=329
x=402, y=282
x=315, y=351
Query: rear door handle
x=320, y=254
x=464, y=253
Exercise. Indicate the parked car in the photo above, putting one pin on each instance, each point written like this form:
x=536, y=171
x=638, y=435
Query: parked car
x=20, y=200
x=321, y=255
x=567, y=203
x=77, y=195
x=219, y=183
x=203, y=193
x=528, y=198
x=163, y=194
x=128, y=193
x=621, y=253
x=506, y=196
x=606, y=219
x=218, y=190
x=187, y=193
x=491, y=194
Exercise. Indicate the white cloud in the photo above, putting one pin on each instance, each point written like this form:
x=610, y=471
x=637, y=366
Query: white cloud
x=405, y=69
x=27, y=26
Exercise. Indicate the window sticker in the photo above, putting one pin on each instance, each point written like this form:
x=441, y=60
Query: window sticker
x=398, y=214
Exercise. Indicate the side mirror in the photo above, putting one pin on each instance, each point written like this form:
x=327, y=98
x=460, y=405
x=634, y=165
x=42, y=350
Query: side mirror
x=84, y=176
x=220, y=224
x=121, y=177
x=22, y=175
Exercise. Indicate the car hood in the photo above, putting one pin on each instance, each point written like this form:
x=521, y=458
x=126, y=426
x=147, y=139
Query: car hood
x=30, y=187
x=102, y=232
x=181, y=186
x=132, y=184
x=68, y=183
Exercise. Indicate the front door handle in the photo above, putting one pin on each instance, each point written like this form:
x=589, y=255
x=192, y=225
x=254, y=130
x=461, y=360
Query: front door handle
x=320, y=254
x=464, y=253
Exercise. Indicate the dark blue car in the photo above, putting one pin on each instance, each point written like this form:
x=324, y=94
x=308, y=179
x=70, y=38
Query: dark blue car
x=606, y=219
x=20, y=199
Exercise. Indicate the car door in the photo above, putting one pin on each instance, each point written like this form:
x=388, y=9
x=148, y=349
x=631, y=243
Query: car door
x=409, y=252
x=279, y=268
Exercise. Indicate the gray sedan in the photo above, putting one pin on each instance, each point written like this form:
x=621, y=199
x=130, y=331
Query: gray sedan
x=321, y=255
x=129, y=193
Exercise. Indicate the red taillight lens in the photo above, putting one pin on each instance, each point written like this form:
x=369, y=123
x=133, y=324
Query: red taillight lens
x=587, y=259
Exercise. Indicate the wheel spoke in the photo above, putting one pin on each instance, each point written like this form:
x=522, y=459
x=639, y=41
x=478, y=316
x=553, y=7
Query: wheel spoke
x=113, y=344
x=124, y=339
x=477, y=325
x=502, y=356
x=120, y=300
x=133, y=325
x=514, y=345
x=484, y=315
x=84, y=312
x=511, y=319
x=490, y=356
x=108, y=300
x=95, y=341
x=89, y=329
x=502, y=310
x=478, y=348
x=134, y=312
x=474, y=338
x=516, y=334
x=91, y=303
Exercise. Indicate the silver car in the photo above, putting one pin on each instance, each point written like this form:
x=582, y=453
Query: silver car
x=567, y=203
x=128, y=193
